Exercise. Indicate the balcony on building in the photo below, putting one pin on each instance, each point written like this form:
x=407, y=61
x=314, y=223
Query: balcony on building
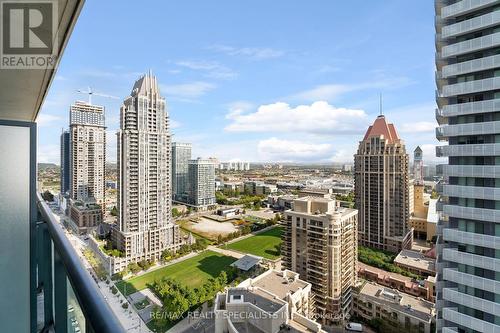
x=46, y=288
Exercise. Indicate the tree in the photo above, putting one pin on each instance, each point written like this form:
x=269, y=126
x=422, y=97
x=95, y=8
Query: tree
x=176, y=212
x=134, y=268
x=114, y=211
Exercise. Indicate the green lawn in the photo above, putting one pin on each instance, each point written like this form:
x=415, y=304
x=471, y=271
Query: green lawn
x=265, y=244
x=192, y=272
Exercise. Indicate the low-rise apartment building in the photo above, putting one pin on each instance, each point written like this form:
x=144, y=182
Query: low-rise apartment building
x=258, y=188
x=410, y=313
x=275, y=301
x=84, y=215
x=416, y=262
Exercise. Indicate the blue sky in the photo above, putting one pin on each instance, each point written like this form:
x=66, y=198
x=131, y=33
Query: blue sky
x=258, y=80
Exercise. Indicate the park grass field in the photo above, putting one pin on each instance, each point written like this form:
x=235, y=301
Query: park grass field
x=192, y=272
x=265, y=244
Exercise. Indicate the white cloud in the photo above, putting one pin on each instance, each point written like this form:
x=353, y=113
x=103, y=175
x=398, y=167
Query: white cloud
x=429, y=153
x=418, y=127
x=49, y=154
x=174, y=124
x=328, y=92
x=319, y=118
x=323, y=92
x=256, y=53
x=111, y=146
x=47, y=120
x=238, y=108
x=274, y=149
x=211, y=69
x=187, y=90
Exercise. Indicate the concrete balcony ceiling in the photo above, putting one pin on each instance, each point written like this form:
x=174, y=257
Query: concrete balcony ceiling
x=22, y=91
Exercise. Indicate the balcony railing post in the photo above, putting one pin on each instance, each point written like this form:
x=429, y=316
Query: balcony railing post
x=44, y=261
x=60, y=294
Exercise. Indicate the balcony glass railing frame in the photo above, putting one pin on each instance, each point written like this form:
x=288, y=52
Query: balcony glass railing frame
x=59, y=268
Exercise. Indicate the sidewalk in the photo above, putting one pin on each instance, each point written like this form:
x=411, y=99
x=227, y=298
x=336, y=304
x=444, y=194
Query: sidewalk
x=158, y=266
x=226, y=252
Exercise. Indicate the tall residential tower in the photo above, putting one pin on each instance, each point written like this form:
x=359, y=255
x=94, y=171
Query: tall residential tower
x=381, y=188
x=65, y=162
x=468, y=113
x=201, y=183
x=181, y=154
x=145, y=226
x=320, y=243
x=87, y=152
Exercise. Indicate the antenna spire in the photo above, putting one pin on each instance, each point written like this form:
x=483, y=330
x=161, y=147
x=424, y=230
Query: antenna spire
x=380, y=106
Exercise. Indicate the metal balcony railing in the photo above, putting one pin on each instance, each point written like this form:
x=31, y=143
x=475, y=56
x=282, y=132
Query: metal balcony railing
x=464, y=7
x=471, y=25
x=70, y=296
x=471, y=45
x=475, y=65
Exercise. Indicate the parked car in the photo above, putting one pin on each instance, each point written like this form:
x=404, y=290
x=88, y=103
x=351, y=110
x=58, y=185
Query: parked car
x=356, y=327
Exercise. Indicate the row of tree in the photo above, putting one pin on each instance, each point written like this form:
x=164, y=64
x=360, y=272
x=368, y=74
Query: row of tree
x=199, y=245
x=383, y=260
x=177, y=299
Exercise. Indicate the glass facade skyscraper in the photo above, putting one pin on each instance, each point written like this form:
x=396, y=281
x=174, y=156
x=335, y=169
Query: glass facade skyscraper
x=181, y=154
x=468, y=113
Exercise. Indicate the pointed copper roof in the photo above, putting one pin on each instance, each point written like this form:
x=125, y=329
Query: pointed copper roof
x=381, y=127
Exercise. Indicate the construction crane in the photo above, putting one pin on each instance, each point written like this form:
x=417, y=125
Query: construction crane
x=90, y=92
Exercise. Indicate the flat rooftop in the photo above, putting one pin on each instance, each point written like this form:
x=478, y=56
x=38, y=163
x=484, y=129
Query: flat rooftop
x=256, y=297
x=432, y=215
x=246, y=262
x=402, y=302
x=415, y=259
x=278, y=285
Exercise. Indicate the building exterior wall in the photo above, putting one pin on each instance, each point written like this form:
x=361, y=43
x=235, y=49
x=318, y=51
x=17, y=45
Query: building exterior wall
x=201, y=183
x=65, y=162
x=181, y=154
x=381, y=187
x=368, y=306
x=468, y=229
x=320, y=243
x=87, y=152
x=145, y=228
x=85, y=216
x=418, y=218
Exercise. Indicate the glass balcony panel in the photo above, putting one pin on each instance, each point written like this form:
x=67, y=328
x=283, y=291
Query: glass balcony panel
x=485, y=171
x=471, y=45
x=464, y=7
x=475, y=324
x=470, y=66
x=471, y=87
x=76, y=319
x=475, y=192
x=452, y=110
x=453, y=295
x=452, y=274
x=472, y=213
x=488, y=149
x=464, y=237
x=471, y=25
x=488, y=127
